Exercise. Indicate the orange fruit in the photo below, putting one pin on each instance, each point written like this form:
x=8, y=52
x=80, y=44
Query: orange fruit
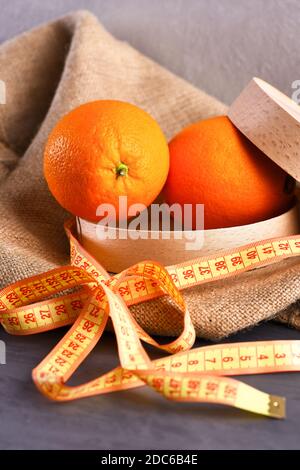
x=212, y=163
x=102, y=150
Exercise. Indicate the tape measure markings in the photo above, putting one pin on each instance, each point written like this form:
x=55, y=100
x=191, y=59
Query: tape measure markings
x=188, y=374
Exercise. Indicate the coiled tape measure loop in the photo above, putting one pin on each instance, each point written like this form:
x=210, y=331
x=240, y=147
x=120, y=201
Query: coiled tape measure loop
x=200, y=375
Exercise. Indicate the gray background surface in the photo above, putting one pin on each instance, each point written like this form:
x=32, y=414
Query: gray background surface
x=218, y=46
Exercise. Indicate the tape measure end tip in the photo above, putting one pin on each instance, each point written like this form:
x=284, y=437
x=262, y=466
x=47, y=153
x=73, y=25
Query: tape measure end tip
x=277, y=407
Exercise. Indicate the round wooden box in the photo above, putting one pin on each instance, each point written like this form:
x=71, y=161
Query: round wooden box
x=271, y=121
x=119, y=253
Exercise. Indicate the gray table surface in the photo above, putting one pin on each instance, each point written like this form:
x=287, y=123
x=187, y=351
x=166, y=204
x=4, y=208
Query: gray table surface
x=218, y=46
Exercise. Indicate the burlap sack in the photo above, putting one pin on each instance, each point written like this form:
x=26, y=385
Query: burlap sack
x=49, y=71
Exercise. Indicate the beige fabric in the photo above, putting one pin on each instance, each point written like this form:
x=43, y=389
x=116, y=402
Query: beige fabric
x=49, y=71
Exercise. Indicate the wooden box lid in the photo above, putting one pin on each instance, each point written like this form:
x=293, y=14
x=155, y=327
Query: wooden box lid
x=271, y=121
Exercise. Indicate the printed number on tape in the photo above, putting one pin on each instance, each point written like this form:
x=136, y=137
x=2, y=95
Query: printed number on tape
x=201, y=374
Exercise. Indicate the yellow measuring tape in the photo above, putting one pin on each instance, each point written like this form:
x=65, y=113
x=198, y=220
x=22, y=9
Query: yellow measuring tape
x=200, y=374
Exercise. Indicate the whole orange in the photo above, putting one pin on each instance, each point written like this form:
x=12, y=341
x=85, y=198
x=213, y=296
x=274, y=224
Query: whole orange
x=102, y=150
x=212, y=163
